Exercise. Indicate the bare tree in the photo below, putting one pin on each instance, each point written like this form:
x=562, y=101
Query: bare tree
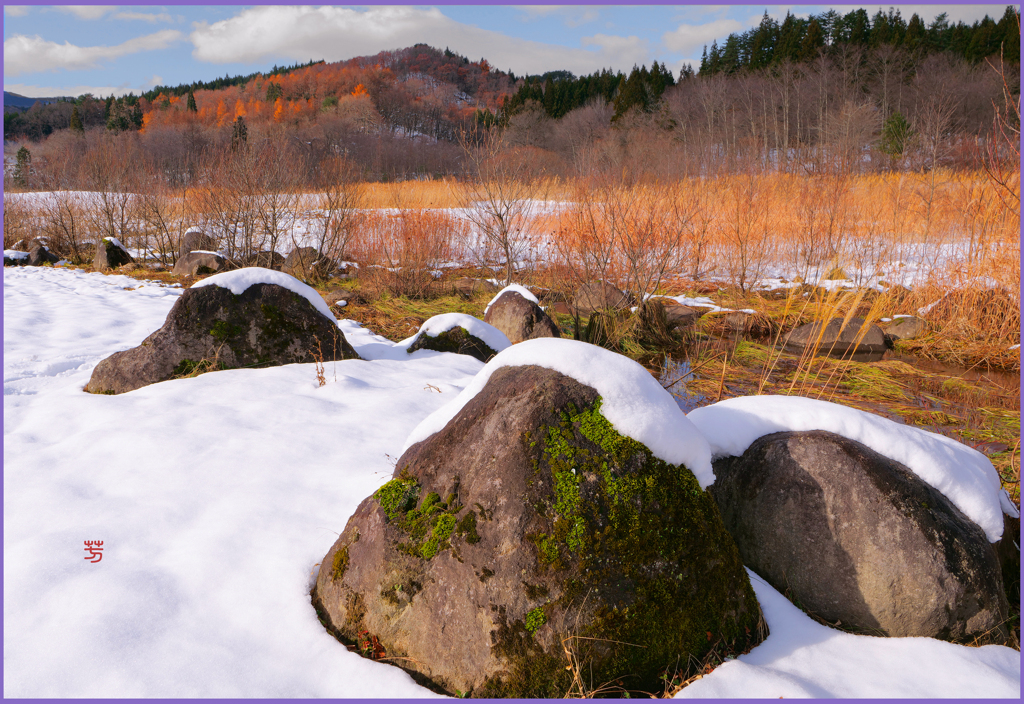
x=504, y=199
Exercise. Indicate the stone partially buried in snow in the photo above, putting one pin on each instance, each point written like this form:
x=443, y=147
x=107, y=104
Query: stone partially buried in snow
x=110, y=254
x=242, y=318
x=856, y=337
x=528, y=522
x=519, y=318
x=857, y=538
x=460, y=334
x=199, y=262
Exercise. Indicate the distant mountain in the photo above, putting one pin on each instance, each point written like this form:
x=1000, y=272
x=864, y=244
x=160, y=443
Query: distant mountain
x=13, y=101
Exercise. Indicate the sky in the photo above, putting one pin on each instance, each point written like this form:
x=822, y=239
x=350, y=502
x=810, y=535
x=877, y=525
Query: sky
x=117, y=49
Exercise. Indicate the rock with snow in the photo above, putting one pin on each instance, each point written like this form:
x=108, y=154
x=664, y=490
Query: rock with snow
x=519, y=318
x=244, y=318
x=266, y=260
x=110, y=254
x=195, y=239
x=199, y=262
x=30, y=252
x=517, y=288
x=467, y=287
x=599, y=296
x=528, y=523
x=307, y=264
x=856, y=337
x=458, y=333
x=906, y=327
x=857, y=538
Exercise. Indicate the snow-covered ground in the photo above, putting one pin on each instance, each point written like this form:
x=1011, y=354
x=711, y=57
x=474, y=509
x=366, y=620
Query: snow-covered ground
x=215, y=497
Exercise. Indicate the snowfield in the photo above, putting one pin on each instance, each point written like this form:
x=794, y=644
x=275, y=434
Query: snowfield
x=216, y=496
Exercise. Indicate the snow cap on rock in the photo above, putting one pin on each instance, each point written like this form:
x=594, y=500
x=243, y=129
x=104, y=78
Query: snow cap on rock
x=521, y=290
x=962, y=474
x=239, y=280
x=632, y=400
x=490, y=335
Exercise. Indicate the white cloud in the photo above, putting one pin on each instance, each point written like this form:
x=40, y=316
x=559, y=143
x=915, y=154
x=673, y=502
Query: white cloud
x=336, y=33
x=88, y=12
x=144, y=16
x=689, y=39
x=24, y=54
x=16, y=10
x=35, y=91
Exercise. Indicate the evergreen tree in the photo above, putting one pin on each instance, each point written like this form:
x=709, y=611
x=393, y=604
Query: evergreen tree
x=76, y=121
x=22, y=167
x=814, y=40
x=239, y=133
x=190, y=105
x=896, y=134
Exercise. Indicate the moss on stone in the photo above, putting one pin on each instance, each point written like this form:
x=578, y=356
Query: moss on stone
x=467, y=528
x=456, y=340
x=340, y=563
x=397, y=497
x=535, y=619
x=430, y=525
x=223, y=330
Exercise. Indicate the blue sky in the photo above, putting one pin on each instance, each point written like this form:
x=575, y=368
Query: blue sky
x=105, y=49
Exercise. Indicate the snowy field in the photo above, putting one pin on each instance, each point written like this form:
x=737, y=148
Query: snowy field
x=215, y=497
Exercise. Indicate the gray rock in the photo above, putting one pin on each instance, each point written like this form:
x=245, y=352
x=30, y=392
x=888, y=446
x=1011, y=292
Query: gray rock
x=210, y=328
x=199, y=262
x=306, y=264
x=681, y=316
x=266, y=260
x=857, y=538
x=109, y=255
x=837, y=339
x=526, y=523
x=601, y=295
x=519, y=318
x=37, y=251
x=467, y=287
x=196, y=239
x=907, y=328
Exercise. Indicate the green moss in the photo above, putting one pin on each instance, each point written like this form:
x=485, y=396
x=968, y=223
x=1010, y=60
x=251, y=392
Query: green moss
x=535, y=619
x=456, y=340
x=340, y=564
x=397, y=497
x=623, y=522
x=223, y=330
x=467, y=528
x=439, y=535
x=189, y=368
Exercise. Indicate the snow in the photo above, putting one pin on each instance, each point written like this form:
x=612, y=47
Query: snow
x=490, y=335
x=516, y=288
x=632, y=400
x=15, y=254
x=115, y=241
x=239, y=280
x=962, y=474
x=217, y=496
x=802, y=658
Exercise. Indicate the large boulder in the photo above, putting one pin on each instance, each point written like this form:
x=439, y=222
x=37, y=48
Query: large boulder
x=110, y=254
x=857, y=538
x=856, y=337
x=30, y=252
x=307, y=264
x=528, y=540
x=460, y=334
x=600, y=296
x=195, y=239
x=519, y=318
x=211, y=328
x=199, y=262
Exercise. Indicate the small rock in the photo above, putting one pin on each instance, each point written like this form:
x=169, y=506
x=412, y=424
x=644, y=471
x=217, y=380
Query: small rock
x=601, y=295
x=199, y=262
x=110, y=254
x=906, y=328
x=520, y=319
x=838, y=340
x=195, y=239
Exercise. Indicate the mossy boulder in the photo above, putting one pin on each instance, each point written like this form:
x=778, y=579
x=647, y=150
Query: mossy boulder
x=457, y=340
x=209, y=328
x=519, y=318
x=110, y=254
x=528, y=531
